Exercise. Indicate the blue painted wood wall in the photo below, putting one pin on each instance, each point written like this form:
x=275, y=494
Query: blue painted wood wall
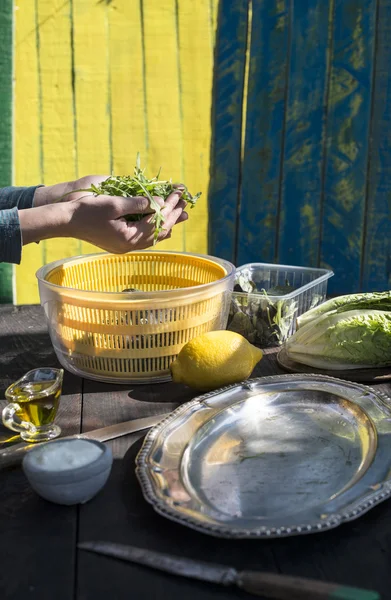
x=301, y=156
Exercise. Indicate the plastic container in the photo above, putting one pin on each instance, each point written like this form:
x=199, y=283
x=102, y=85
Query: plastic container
x=100, y=332
x=268, y=320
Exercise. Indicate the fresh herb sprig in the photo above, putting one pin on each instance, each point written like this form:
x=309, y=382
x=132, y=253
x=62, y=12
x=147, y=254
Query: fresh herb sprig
x=140, y=185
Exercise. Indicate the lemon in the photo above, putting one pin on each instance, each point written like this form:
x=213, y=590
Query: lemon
x=215, y=359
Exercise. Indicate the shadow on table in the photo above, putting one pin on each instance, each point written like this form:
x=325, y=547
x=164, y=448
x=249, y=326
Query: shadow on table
x=163, y=392
x=20, y=355
x=151, y=393
x=35, y=350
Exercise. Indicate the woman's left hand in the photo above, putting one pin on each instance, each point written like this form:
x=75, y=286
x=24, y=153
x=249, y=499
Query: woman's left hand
x=51, y=193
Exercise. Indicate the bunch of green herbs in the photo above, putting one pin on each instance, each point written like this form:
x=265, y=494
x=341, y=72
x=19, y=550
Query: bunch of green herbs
x=140, y=185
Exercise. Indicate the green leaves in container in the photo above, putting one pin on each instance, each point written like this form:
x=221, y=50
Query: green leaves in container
x=258, y=316
x=241, y=323
x=245, y=284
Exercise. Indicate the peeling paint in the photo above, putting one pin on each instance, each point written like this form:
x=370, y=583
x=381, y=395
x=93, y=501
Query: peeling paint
x=358, y=51
x=348, y=141
x=343, y=84
x=302, y=155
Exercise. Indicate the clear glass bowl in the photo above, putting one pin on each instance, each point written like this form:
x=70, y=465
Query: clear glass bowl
x=101, y=332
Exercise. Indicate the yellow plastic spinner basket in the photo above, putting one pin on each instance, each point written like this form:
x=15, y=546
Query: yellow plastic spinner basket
x=100, y=332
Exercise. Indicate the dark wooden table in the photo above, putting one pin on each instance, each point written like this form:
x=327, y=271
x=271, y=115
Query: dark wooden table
x=38, y=540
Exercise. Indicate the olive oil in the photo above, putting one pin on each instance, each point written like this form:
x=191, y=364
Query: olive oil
x=32, y=405
x=36, y=406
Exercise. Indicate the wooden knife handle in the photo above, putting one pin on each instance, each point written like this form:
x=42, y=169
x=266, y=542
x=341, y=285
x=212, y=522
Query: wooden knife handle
x=283, y=587
x=13, y=455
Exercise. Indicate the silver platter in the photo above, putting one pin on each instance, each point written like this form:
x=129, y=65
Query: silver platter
x=271, y=457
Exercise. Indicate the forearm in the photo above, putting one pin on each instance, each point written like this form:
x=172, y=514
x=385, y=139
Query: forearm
x=45, y=222
x=66, y=191
x=51, y=193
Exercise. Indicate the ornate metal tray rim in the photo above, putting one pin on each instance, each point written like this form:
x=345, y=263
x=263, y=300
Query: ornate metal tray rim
x=367, y=502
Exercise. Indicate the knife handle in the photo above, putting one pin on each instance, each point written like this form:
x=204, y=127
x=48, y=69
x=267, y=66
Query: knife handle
x=13, y=455
x=283, y=587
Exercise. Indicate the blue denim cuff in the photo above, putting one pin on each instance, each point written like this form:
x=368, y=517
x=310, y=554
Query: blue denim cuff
x=21, y=197
x=10, y=236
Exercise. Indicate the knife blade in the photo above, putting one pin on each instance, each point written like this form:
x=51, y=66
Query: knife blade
x=268, y=585
x=14, y=454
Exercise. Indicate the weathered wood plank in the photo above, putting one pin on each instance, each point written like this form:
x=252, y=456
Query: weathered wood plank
x=258, y=216
x=300, y=202
x=6, y=10
x=228, y=92
x=325, y=556
x=43, y=536
x=376, y=271
x=131, y=519
x=6, y=277
x=37, y=540
x=91, y=85
x=127, y=85
x=57, y=118
x=106, y=404
x=195, y=65
x=91, y=91
x=28, y=150
x=347, y=142
x=26, y=345
x=163, y=98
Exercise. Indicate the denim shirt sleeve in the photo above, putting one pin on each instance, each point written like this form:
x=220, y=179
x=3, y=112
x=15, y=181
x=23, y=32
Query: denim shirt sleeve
x=13, y=199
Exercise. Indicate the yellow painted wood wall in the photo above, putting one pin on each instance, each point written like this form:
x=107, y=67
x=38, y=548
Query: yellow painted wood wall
x=96, y=81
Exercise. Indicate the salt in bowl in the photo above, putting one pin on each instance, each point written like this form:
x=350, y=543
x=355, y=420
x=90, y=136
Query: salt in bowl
x=68, y=471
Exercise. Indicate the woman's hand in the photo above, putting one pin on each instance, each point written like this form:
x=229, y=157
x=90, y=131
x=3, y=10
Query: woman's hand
x=51, y=193
x=102, y=221
x=99, y=220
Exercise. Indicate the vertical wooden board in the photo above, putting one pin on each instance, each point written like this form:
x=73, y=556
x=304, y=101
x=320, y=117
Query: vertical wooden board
x=28, y=155
x=36, y=528
x=376, y=273
x=91, y=60
x=127, y=86
x=228, y=80
x=165, y=141
x=6, y=20
x=300, y=204
x=347, y=142
x=6, y=284
x=258, y=214
x=58, y=140
x=213, y=11
x=195, y=41
x=92, y=92
x=6, y=9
